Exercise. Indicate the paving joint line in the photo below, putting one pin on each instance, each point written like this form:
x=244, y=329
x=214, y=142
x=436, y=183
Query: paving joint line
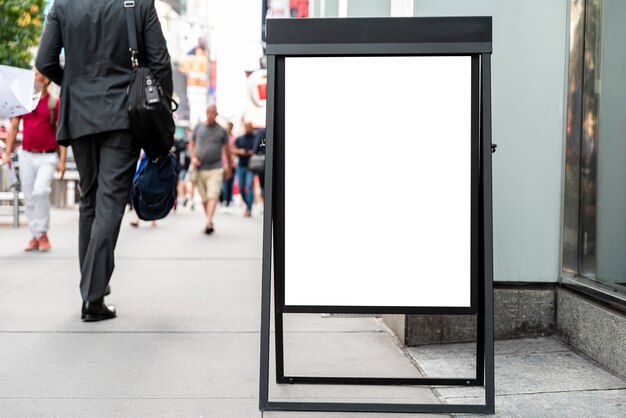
x=542, y=393
x=129, y=332
x=406, y=352
x=66, y=398
x=179, y=332
x=12, y=258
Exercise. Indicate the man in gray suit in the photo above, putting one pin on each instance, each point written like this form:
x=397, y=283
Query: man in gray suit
x=93, y=119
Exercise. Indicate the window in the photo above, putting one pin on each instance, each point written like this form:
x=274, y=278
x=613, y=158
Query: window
x=594, y=222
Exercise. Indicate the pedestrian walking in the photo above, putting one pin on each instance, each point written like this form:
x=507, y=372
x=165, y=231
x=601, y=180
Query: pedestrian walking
x=38, y=159
x=181, y=151
x=208, y=142
x=259, y=148
x=93, y=118
x=135, y=221
x=226, y=197
x=244, y=148
x=191, y=183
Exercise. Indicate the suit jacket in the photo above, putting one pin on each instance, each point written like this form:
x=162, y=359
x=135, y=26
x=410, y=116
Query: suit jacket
x=97, y=70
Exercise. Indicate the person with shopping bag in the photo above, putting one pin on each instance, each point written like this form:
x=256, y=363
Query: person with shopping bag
x=39, y=158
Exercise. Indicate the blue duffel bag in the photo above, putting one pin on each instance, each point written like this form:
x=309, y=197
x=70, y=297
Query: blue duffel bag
x=153, y=194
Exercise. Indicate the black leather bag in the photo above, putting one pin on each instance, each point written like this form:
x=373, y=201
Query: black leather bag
x=150, y=114
x=256, y=163
x=150, y=108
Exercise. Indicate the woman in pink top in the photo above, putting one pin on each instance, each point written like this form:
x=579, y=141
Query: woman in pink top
x=39, y=157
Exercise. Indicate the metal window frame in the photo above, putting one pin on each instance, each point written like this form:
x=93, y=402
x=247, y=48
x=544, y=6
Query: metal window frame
x=578, y=230
x=391, y=37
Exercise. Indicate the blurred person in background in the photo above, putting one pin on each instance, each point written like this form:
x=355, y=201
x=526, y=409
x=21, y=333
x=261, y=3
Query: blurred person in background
x=208, y=142
x=181, y=151
x=244, y=148
x=259, y=148
x=39, y=158
x=226, y=196
x=191, y=185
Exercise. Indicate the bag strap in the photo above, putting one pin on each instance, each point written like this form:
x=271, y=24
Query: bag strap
x=142, y=164
x=207, y=142
x=129, y=5
x=131, y=27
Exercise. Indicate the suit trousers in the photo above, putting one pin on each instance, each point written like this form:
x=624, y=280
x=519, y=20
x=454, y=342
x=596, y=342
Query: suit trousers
x=106, y=164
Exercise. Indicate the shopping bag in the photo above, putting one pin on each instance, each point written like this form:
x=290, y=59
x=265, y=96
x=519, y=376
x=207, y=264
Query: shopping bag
x=18, y=93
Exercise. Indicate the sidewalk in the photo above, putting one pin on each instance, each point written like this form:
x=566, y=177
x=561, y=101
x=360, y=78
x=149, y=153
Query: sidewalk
x=186, y=341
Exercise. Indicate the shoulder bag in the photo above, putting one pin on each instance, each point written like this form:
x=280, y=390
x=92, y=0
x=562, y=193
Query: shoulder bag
x=150, y=108
x=256, y=163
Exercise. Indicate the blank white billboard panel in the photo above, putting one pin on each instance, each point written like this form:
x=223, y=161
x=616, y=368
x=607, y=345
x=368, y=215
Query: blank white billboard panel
x=378, y=181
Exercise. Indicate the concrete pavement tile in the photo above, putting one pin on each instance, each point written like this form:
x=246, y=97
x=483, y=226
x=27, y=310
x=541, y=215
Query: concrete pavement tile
x=526, y=346
x=353, y=394
x=124, y=408
x=63, y=236
x=182, y=234
x=337, y=354
x=25, y=270
x=196, y=296
x=521, y=367
x=42, y=301
x=350, y=393
x=334, y=323
x=127, y=366
x=588, y=404
x=446, y=360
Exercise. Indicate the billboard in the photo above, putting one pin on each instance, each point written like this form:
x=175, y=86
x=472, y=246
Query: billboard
x=395, y=134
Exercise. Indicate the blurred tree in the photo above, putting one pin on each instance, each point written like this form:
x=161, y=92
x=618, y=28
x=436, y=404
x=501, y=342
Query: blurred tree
x=21, y=24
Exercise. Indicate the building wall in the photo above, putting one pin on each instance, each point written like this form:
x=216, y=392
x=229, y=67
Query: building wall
x=369, y=8
x=528, y=82
x=592, y=329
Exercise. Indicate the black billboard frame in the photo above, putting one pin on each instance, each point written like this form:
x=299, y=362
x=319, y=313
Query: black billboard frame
x=467, y=36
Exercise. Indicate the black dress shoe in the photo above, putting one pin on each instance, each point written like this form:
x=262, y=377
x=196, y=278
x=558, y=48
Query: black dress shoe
x=97, y=311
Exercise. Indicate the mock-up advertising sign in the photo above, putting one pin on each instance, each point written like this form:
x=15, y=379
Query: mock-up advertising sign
x=378, y=187
x=378, y=180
